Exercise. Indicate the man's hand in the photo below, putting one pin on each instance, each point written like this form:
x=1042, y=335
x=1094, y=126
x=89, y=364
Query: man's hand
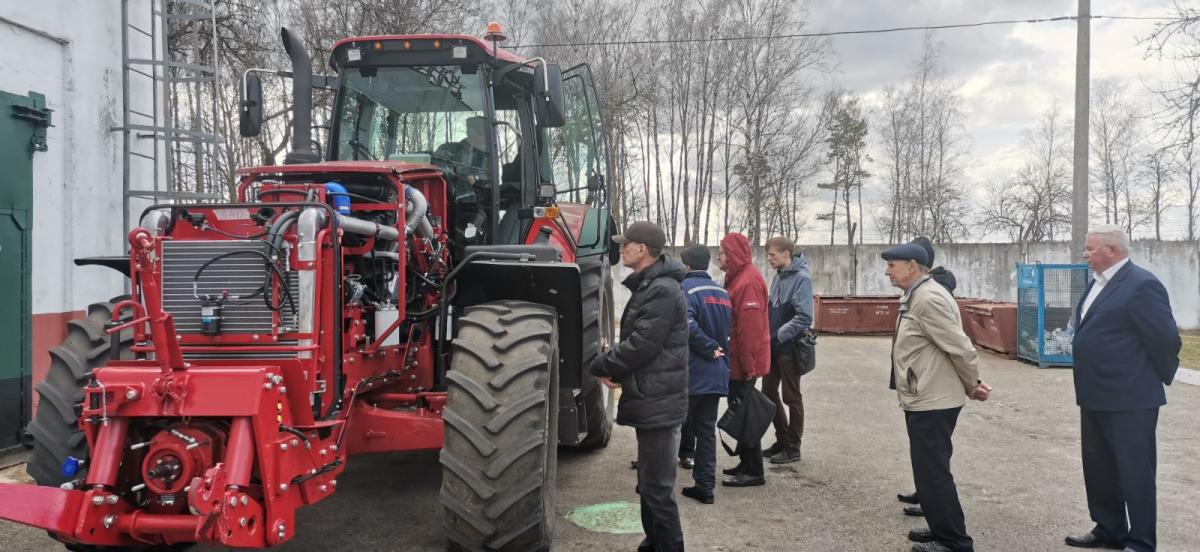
x=718, y=353
x=981, y=392
x=609, y=383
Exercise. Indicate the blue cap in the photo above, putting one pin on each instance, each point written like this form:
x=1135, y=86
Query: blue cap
x=907, y=252
x=71, y=466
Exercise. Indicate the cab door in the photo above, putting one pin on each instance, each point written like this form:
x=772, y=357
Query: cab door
x=579, y=164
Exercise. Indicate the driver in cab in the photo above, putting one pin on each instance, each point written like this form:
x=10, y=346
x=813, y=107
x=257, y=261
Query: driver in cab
x=466, y=158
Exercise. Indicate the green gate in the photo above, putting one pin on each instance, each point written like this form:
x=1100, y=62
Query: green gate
x=23, y=122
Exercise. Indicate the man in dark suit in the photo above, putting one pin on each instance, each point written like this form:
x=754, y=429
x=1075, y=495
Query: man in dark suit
x=1126, y=348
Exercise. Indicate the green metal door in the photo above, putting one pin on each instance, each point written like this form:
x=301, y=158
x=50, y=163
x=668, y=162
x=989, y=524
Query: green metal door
x=23, y=120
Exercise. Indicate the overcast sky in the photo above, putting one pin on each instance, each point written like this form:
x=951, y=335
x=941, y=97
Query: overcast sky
x=1007, y=74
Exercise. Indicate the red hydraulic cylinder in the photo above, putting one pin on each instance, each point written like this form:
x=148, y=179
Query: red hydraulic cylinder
x=106, y=456
x=239, y=452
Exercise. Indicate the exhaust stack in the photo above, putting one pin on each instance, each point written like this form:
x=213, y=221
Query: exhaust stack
x=302, y=151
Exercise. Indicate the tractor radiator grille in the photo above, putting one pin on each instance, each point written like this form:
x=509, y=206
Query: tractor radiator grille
x=239, y=274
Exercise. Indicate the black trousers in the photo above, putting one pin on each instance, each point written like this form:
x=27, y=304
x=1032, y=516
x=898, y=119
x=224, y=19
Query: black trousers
x=702, y=418
x=789, y=411
x=930, y=448
x=749, y=454
x=1119, y=472
x=687, y=440
x=657, y=449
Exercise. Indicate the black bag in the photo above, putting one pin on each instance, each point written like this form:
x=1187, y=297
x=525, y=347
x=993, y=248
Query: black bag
x=804, y=352
x=748, y=419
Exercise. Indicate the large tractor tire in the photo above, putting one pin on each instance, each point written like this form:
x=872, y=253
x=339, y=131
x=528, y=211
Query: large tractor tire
x=501, y=426
x=55, y=426
x=598, y=327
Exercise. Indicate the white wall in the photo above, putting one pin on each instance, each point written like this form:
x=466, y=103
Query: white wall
x=983, y=270
x=71, y=52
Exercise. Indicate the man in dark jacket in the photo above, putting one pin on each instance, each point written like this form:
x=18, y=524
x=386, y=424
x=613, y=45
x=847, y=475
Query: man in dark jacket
x=649, y=364
x=1126, y=349
x=791, y=315
x=749, y=345
x=708, y=316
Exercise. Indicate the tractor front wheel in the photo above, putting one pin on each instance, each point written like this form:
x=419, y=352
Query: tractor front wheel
x=501, y=428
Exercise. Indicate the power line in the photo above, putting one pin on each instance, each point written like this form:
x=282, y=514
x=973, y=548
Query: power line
x=834, y=33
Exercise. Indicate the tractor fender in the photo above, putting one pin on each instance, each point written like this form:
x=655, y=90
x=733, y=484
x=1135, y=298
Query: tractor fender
x=552, y=283
x=119, y=264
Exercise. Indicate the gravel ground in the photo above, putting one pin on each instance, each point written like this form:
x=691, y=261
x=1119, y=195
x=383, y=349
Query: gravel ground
x=1017, y=466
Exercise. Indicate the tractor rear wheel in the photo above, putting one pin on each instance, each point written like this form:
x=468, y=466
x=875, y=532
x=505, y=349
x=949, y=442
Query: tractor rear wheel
x=501, y=427
x=598, y=328
x=55, y=427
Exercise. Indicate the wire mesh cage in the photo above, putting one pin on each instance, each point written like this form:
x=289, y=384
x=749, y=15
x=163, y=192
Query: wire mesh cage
x=1046, y=298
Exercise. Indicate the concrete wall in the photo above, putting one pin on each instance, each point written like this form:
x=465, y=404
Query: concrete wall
x=983, y=270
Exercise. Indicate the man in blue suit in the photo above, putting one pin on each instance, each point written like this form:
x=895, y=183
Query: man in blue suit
x=1126, y=348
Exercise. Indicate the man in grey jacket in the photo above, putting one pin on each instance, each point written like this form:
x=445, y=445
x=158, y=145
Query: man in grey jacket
x=790, y=313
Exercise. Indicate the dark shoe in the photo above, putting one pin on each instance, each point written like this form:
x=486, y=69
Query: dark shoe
x=774, y=449
x=921, y=534
x=732, y=471
x=931, y=546
x=687, y=463
x=908, y=498
x=786, y=456
x=742, y=480
x=914, y=511
x=695, y=494
x=1090, y=540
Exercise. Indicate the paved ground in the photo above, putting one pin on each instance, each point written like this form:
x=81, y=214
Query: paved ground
x=1017, y=466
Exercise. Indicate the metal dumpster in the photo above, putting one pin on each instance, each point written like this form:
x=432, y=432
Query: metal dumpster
x=861, y=314
x=962, y=313
x=994, y=327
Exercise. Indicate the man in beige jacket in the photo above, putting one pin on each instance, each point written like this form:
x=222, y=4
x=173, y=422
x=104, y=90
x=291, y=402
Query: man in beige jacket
x=935, y=369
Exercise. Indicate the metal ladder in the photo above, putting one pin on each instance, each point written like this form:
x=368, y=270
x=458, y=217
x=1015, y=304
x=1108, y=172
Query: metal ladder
x=165, y=96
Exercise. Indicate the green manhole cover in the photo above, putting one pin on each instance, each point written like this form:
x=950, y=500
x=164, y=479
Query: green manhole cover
x=623, y=518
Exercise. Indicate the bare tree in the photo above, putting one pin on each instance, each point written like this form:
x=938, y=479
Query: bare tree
x=1157, y=171
x=1035, y=204
x=1114, y=141
x=925, y=149
x=1179, y=100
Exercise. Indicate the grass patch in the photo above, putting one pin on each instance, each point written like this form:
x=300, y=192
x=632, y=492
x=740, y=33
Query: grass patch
x=1189, y=357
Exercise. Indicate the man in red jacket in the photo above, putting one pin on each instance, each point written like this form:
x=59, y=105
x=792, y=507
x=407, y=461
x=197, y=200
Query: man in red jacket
x=749, y=344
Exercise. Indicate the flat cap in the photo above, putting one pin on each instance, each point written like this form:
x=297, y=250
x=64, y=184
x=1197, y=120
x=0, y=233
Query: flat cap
x=907, y=252
x=645, y=233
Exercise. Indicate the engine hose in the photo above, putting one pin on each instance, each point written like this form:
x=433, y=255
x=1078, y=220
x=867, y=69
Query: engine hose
x=279, y=228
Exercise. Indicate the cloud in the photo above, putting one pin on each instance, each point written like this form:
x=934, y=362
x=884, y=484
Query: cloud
x=1007, y=75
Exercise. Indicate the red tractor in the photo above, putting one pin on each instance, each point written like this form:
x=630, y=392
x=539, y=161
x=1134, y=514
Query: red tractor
x=440, y=282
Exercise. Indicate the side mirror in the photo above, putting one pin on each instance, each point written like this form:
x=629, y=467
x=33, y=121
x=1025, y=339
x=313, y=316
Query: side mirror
x=548, y=91
x=250, y=116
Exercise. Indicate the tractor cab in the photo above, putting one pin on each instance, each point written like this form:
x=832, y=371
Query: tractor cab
x=515, y=139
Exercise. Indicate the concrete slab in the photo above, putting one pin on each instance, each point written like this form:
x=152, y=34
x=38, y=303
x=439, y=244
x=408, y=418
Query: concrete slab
x=1017, y=466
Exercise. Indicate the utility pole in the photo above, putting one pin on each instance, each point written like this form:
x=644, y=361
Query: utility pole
x=1079, y=177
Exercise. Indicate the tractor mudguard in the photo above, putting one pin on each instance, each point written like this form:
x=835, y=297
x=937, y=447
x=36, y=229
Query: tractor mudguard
x=555, y=284
x=118, y=263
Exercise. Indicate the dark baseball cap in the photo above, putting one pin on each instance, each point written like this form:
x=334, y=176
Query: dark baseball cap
x=643, y=232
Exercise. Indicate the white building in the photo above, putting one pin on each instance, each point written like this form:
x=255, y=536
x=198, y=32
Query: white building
x=66, y=201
